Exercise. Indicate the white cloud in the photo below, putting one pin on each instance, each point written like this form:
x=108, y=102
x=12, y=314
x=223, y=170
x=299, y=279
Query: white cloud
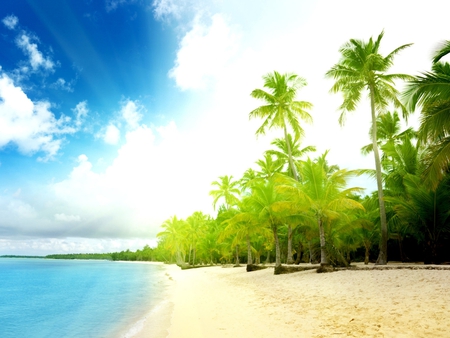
x=63, y=84
x=31, y=126
x=111, y=135
x=10, y=21
x=204, y=53
x=81, y=111
x=131, y=111
x=67, y=218
x=166, y=8
x=36, y=58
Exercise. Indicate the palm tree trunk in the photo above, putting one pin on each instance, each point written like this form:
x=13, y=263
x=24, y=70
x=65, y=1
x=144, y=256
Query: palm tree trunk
x=277, y=248
x=289, y=259
x=190, y=249
x=312, y=257
x=366, y=255
x=382, y=256
x=237, y=256
x=268, y=257
x=299, y=253
x=323, y=251
x=249, y=251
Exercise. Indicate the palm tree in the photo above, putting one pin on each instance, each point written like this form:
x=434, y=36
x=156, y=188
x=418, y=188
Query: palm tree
x=431, y=91
x=362, y=67
x=227, y=190
x=271, y=209
x=426, y=211
x=174, y=237
x=388, y=133
x=245, y=225
x=281, y=109
x=282, y=152
x=325, y=193
x=268, y=166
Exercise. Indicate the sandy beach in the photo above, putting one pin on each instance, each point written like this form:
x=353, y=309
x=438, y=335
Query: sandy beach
x=230, y=302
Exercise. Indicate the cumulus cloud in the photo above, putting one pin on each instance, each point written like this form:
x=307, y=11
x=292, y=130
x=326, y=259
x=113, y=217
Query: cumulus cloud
x=10, y=21
x=131, y=111
x=36, y=58
x=111, y=135
x=204, y=53
x=31, y=126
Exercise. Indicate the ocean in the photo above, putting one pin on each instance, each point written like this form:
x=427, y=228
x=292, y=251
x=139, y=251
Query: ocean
x=79, y=298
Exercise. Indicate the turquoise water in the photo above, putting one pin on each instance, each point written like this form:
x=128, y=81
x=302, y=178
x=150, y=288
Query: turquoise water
x=72, y=298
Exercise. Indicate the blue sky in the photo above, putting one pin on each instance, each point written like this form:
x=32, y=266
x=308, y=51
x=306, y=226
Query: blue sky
x=117, y=114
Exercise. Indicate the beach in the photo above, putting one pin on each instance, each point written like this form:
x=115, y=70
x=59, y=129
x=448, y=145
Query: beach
x=230, y=302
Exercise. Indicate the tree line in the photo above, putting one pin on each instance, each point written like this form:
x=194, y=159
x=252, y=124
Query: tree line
x=299, y=208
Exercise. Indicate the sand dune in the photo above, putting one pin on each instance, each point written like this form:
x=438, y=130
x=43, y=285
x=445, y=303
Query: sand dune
x=229, y=302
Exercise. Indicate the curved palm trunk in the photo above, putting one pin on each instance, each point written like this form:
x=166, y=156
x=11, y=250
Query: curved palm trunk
x=323, y=251
x=237, y=256
x=382, y=256
x=277, y=248
x=249, y=251
x=289, y=259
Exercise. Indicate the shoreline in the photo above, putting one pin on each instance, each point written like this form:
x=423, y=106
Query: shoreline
x=400, y=300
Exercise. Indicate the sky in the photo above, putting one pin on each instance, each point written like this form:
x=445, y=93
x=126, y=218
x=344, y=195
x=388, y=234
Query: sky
x=117, y=114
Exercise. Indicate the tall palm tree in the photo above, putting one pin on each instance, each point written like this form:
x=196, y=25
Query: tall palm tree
x=227, y=189
x=282, y=154
x=431, y=91
x=281, y=109
x=362, y=68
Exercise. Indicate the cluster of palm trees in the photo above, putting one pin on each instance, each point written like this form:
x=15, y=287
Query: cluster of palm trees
x=294, y=199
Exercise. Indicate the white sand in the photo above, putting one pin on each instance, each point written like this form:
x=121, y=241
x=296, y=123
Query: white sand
x=230, y=302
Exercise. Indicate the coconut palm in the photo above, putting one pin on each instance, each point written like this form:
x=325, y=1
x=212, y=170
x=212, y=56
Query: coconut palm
x=281, y=109
x=431, y=91
x=325, y=193
x=282, y=152
x=244, y=226
x=227, y=190
x=271, y=209
x=174, y=237
x=363, y=69
x=426, y=211
x=388, y=133
x=268, y=166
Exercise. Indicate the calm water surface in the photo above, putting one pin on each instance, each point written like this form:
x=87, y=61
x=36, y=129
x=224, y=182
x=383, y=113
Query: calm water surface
x=72, y=298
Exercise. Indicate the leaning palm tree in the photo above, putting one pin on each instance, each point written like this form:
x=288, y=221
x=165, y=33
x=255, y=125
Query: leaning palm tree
x=362, y=68
x=281, y=109
x=431, y=91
